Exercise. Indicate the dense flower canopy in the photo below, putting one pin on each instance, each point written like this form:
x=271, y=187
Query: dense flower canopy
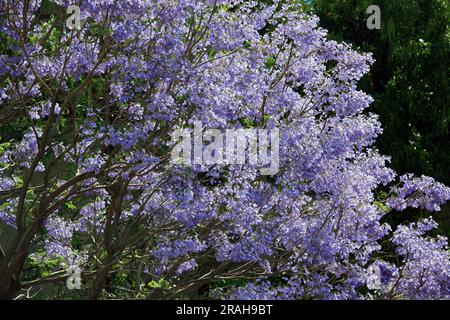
x=87, y=182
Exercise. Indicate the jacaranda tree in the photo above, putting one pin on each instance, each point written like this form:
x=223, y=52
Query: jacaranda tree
x=86, y=179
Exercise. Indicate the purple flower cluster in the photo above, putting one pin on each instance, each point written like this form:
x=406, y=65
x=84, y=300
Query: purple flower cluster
x=423, y=192
x=312, y=231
